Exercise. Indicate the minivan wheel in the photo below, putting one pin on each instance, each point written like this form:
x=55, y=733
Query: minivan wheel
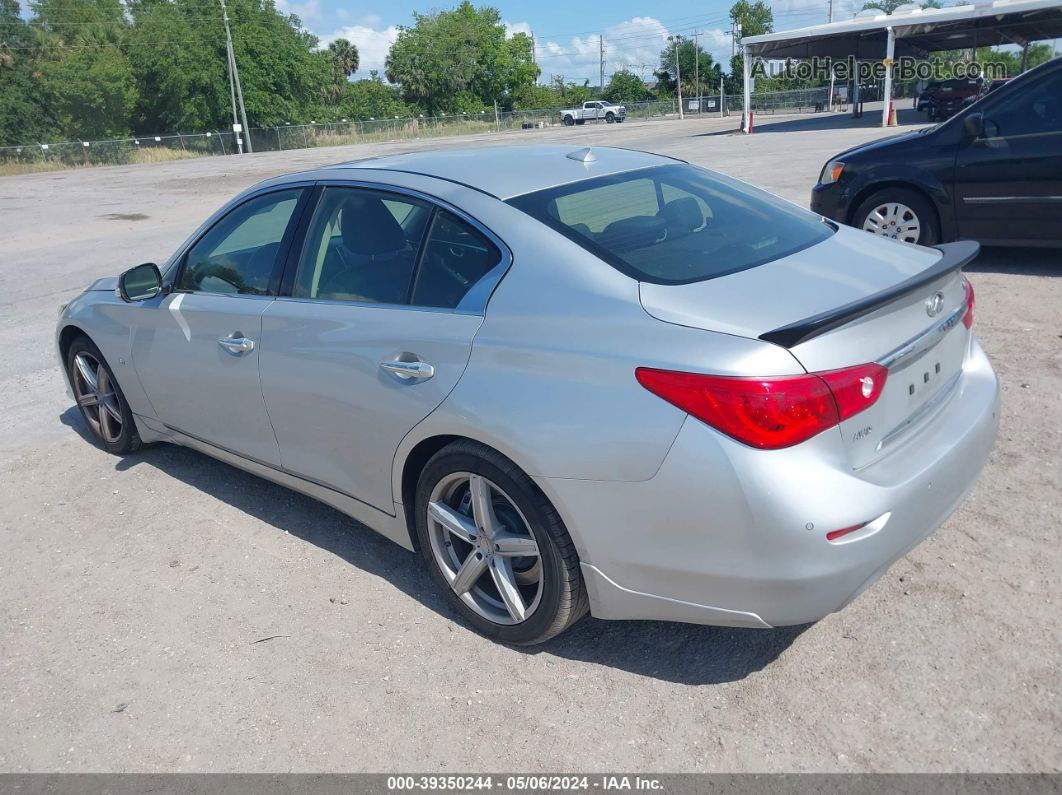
x=496, y=546
x=100, y=399
x=899, y=214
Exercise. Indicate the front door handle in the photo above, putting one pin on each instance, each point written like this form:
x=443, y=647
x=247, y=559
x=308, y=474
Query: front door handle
x=409, y=371
x=236, y=344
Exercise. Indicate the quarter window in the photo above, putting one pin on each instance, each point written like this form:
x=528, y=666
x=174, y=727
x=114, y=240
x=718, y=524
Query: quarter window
x=238, y=255
x=456, y=256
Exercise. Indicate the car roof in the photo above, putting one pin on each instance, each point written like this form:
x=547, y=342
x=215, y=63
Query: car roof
x=508, y=171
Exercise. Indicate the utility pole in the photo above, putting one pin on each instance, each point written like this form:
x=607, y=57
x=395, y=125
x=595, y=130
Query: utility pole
x=232, y=95
x=601, y=49
x=534, y=58
x=678, y=71
x=234, y=77
x=697, y=69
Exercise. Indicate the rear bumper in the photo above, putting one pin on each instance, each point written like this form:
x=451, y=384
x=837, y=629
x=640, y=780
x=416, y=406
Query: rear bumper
x=724, y=534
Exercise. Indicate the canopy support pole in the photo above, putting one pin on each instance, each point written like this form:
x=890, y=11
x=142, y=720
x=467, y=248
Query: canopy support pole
x=746, y=118
x=890, y=50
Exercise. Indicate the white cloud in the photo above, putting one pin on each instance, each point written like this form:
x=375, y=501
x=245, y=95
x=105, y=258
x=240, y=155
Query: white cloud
x=308, y=11
x=634, y=44
x=373, y=45
x=512, y=28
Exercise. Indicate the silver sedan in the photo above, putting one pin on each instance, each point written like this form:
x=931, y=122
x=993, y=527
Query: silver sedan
x=596, y=381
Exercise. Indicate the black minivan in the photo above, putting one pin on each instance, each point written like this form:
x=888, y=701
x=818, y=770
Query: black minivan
x=992, y=172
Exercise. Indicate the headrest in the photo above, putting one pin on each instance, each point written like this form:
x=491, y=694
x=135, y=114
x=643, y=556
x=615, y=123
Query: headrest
x=368, y=227
x=683, y=214
x=627, y=234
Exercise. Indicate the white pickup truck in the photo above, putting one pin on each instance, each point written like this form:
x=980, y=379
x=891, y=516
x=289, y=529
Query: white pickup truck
x=597, y=109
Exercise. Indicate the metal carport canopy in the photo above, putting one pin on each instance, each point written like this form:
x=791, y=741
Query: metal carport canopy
x=913, y=33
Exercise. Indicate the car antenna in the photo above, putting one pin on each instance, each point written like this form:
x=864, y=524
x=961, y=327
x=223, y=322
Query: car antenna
x=582, y=155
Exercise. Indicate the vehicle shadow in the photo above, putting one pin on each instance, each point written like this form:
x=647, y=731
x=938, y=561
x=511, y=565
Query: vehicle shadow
x=680, y=653
x=1018, y=261
x=907, y=119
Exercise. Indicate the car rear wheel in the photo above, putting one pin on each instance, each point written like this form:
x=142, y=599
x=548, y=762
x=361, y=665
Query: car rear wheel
x=496, y=546
x=100, y=399
x=899, y=214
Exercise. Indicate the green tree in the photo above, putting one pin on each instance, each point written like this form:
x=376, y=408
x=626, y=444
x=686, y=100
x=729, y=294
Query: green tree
x=534, y=96
x=453, y=61
x=372, y=99
x=571, y=94
x=754, y=19
x=693, y=62
x=342, y=57
x=625, y=86
x=24, y=116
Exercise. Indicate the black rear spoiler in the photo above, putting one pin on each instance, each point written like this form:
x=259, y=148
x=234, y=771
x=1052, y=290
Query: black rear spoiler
x=953, y=257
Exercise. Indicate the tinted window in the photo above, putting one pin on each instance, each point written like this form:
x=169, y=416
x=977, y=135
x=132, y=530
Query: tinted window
x=675, y=224
x=361, y=246
x=1034, y=109
x=239, y=253
x=456, y=256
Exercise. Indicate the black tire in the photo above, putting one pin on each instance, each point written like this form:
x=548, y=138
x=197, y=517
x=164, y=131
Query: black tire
x=127, y=440
x=929, y=226
x=568, y=121
x=610, y=118
x=563, y=599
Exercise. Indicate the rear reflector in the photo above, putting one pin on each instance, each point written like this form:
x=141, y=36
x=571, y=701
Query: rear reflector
x=967, y=319
x=833, y=535
x=774, y=412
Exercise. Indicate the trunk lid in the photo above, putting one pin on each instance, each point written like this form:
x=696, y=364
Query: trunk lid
x=890, y=313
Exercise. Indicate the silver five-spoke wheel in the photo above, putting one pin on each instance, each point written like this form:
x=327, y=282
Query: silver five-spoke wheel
x=484, y=548
x=95, y=393
x=894, y=220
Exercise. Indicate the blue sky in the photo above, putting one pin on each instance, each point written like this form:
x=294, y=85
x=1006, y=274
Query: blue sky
x=566, y=33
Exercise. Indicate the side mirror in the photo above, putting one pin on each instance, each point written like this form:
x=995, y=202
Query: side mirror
x=140, y=283
x=973, y=127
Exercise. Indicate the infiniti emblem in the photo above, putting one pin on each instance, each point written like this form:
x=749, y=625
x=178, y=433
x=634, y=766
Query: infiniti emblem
x=934, y=304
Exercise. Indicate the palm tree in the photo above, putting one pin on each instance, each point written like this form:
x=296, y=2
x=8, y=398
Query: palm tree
x=345, y=56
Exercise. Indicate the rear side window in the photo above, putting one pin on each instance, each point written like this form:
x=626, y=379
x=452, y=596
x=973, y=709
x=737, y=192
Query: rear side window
x=675, y=224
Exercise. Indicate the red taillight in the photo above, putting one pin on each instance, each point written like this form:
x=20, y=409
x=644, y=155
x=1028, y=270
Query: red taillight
x=967, y=319
x=769, y=413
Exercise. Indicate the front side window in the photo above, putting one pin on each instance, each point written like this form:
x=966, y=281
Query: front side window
x=238, y=255
x=675, y=224
x=1034, y=110
x=362, y=245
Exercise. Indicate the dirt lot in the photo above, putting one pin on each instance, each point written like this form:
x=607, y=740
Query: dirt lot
x=134, y=592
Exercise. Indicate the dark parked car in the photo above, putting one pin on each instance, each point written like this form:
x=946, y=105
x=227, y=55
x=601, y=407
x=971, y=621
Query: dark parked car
x=951, y=96
x=993, y=172
x=921, y=102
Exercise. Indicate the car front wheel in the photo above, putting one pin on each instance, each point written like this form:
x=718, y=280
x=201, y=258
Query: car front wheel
x=100, y=399
x=899, y=214
x=496, y=546
x=610, y=118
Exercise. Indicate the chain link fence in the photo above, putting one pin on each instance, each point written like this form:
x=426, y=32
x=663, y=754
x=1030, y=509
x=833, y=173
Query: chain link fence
x=177, y=146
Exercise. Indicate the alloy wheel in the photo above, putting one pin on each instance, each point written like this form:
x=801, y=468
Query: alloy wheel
x=484, y=548
x=97, y=397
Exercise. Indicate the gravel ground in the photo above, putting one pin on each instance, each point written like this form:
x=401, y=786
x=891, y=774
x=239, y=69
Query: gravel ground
x=166, y=612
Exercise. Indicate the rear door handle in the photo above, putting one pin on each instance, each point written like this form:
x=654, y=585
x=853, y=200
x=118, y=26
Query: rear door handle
x=409, y=371
x=236, y=344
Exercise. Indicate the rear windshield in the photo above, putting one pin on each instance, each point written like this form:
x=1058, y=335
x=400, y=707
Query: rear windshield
x=675, y=224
